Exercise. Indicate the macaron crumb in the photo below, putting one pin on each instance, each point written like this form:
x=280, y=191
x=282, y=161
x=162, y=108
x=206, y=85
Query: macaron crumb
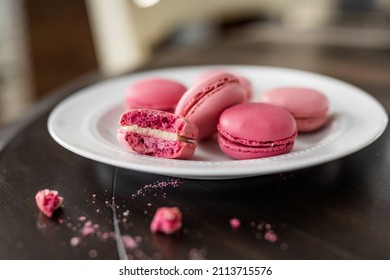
x=270, y=236
x=235, y=223
x=92, y=253
x=48, y=201
x=75, y=241
x=167, y=220
x=284, y=246
x=129, y=242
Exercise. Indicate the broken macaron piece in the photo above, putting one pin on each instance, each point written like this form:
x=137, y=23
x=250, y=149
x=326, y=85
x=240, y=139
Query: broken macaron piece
x=48, y=201
x=157, y=133
x=166, y=220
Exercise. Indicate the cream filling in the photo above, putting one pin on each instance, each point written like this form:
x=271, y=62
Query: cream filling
x=164, y=135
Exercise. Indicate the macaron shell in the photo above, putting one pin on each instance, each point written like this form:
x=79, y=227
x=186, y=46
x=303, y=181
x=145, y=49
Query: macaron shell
x=256, y=130
x=246, y=83
x=299, y=101
x=257, y=122
x=240, y=152
x=154, y=93
x=204, y=102
x=308, y=106
x=311, y=124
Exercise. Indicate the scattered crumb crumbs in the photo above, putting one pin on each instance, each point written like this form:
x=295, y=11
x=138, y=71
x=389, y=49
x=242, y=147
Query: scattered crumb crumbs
x=156, y=186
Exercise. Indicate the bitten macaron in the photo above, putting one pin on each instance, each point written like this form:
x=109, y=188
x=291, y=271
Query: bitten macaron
x=203, y=103
x=309, y=107
x=256, y=130
x=157, y=133
x=154, y=93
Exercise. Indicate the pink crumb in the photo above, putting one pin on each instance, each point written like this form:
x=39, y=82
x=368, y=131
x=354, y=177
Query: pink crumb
x=270, y=236
x=166, y=220
x=74, y=241
x=235, y=223
x=89, y=228
x=284, y=246
x=197, y=254
x=129, y=242
x=48, y=201
x=93, y=253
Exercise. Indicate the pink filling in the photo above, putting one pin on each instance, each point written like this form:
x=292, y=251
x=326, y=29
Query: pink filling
x=166, y=220
x=48, y=201
x=152, y=146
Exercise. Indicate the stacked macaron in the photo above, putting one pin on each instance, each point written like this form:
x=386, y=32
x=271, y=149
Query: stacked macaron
x=165, y=119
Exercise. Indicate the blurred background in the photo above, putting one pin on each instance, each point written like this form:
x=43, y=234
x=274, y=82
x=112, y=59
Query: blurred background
x=47, y=43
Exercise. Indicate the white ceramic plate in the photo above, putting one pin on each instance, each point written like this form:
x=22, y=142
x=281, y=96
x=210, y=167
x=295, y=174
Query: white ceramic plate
x=86, y=124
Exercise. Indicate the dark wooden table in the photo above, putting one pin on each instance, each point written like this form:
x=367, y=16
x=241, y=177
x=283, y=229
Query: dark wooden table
x=337, y=210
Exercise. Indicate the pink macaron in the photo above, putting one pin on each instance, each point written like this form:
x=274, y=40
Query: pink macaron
x=245, y=82
x=157, y=133
x=154, y=93
x=204, y=101
x=309, y=107
x=256, y=130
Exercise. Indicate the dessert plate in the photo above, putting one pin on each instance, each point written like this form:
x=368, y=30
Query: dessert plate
x=86, y=123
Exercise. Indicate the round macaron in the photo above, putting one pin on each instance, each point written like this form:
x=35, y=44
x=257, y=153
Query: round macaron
x=245, y=82
x=309, y=107
x=256, y=130
x=157, y=133
x=205, y=100
x=154, y=93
